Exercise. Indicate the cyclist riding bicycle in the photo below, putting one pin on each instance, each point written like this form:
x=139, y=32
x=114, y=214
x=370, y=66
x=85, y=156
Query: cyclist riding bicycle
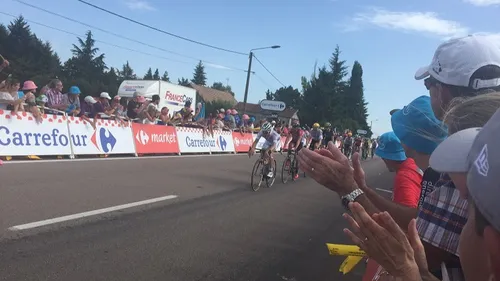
x=348, y=142
x=272, y=139
x=296, y=143
x=316, y=136
x=327, y=134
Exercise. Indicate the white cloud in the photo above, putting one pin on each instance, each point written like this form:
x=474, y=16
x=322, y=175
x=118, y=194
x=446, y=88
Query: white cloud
x=139, y=5
x=483, y=3
x=420, y=22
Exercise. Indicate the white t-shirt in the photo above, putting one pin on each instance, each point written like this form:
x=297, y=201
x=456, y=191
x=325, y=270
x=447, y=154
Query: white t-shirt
x=5, y=96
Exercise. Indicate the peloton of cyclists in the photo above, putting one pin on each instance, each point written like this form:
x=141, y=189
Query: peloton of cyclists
x=272, y=139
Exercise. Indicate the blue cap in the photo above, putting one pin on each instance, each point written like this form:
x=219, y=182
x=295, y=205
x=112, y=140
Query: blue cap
x=74, y=90
x=417, y=127
x=390, y=148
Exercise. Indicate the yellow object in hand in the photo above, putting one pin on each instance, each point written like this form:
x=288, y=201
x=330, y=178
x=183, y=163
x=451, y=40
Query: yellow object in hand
x=349, y=263
x=345, y=250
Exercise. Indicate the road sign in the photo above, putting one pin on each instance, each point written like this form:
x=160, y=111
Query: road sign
x=273, y=105
x=362, y=132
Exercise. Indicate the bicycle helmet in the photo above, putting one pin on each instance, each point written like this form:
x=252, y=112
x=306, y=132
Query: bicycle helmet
x=266, y=127
x=316, y=125
x=328, y=124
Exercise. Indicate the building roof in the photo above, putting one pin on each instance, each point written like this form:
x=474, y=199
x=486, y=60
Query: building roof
x=255, y=108
x=210, y=95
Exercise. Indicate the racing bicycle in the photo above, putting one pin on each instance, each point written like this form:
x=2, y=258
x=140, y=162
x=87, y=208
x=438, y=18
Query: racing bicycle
x=290, y=167
x=260, y=171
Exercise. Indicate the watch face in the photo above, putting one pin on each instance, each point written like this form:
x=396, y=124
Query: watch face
x=345, y=203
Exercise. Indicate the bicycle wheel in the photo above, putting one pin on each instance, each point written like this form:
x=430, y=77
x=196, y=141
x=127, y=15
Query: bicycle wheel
x=257, y=174
x=286, y=168
x=294, y=170
x=270, y=181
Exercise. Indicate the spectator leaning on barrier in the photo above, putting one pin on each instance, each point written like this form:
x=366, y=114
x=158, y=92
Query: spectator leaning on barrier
x=151, y=111
x=6, y=97
x=134, y=105
x=102, y=106
x=87, y=106
x=72, y=100
x=55, y=95
x=29, y=90
x=164, y=116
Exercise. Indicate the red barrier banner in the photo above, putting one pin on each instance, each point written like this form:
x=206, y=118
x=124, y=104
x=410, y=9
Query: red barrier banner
x=155, y=139
x=242, y=142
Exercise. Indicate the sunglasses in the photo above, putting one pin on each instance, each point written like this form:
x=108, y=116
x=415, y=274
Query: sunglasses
x=429, y=82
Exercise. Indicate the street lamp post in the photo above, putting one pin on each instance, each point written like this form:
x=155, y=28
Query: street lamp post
x=371, y=123
x=250, y=57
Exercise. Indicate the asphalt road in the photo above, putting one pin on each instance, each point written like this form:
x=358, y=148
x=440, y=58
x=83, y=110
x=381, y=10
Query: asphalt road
x=215, y=229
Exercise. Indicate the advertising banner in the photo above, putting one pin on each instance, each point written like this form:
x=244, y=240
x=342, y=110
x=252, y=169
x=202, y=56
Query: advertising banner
x=242, y=142
x=21, y=135
x=150, y=139
x=223, y=142
x=109, y=137
x=191, y=140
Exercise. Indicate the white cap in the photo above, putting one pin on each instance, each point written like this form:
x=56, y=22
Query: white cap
x=456, y=60
x=451, y=155
x=105, y=95
x=90, y=99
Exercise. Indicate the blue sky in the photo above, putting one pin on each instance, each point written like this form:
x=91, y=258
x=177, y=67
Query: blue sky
x=391, y=39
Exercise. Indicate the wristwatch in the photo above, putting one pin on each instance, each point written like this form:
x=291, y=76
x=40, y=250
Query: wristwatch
x=351, y=197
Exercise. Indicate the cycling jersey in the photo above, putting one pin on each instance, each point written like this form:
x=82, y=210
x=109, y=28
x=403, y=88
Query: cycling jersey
x=272, y=138
x=297, y=134
x=317, y=134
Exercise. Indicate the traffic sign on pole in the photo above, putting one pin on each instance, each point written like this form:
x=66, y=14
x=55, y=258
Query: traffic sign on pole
x=272, y=105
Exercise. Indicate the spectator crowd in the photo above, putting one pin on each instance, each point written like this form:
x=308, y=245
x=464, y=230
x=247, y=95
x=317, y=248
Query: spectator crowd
x=443, y=222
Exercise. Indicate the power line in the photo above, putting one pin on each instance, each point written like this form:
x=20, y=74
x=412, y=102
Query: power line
x=268, y=71
x=214, y=65
x=265, y=83
x=159, y=30
x=100, y=41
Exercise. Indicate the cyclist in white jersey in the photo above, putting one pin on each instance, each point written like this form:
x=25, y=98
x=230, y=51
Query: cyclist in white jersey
x=272, y=139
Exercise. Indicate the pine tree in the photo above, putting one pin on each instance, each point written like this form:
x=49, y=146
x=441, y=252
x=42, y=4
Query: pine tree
x=165, y=77
x=269, y=95
x=148, y=75
x=127, y=73
x=199, y=75
x=183, y=82
x=156, y=75
x=356, y=98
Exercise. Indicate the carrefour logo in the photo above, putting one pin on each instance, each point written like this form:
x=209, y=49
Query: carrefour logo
x=103, y=140
x=200, y=142
x=221, y=142
x=245, y=141
x=54, y=138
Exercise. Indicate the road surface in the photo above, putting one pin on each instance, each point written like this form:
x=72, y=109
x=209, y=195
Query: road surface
x=206, y=225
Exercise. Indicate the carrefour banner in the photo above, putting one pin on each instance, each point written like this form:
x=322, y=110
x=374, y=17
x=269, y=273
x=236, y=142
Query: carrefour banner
x=155, y=139
x=193, y=140
x=21, y=135
x=223, y=142
x=109, y=137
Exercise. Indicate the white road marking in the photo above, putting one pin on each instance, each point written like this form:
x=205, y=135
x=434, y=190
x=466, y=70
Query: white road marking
x=89, y=213
x=383, y=190
x=118, y=158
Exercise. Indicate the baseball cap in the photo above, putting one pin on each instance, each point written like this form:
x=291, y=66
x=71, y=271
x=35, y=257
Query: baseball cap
x=451, y=155
x=455, y=62
x=90, y=99
x=390, y=148
x=74, y=90
x=105, y=95
x=417, y=127
x=484, y=171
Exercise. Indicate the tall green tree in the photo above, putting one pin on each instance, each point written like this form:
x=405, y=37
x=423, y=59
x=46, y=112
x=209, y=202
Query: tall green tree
x=289, y=95
x=148, y=75
x=165, y=77
x=269, y=95
x=127, y=73
x=86, y=67
x=221, y=87
x=199, y=75
x=29, y=57
x=111, y=81
x=183, y=82
x=356, y=98
x=156, y=75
